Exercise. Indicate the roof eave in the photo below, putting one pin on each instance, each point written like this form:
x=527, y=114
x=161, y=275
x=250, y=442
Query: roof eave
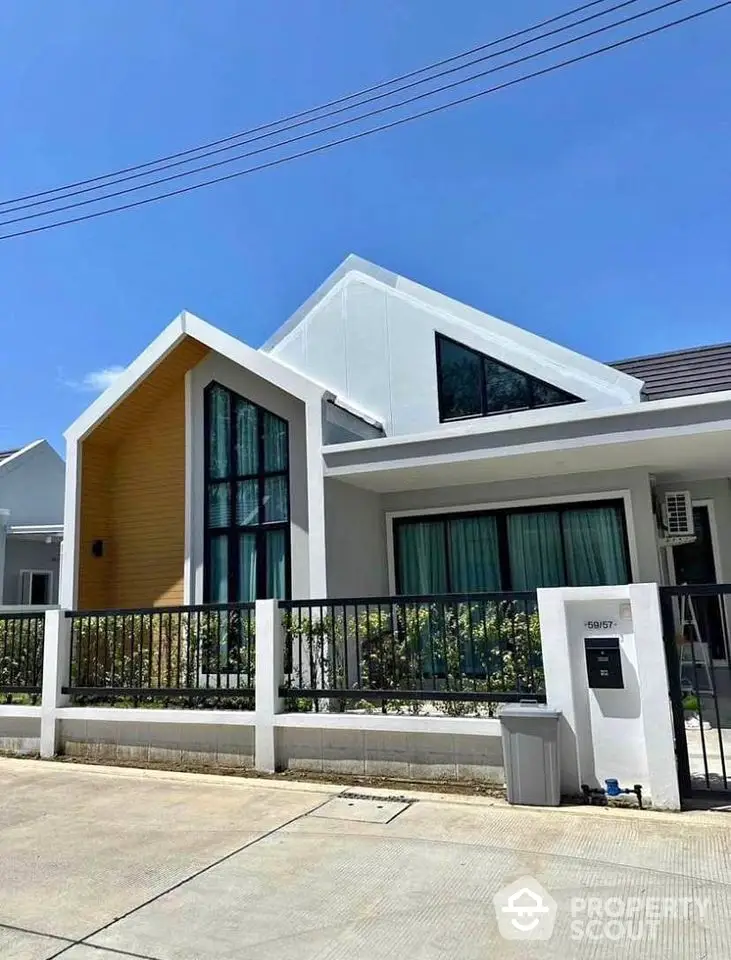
x=189, y=325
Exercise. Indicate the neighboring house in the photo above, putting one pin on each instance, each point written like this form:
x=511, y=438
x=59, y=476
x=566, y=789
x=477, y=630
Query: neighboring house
x=31, y=524
x=388, y=439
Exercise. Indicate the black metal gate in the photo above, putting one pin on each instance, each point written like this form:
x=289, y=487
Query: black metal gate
x=695, y=625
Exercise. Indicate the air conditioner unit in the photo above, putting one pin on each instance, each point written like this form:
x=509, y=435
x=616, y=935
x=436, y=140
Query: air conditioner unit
x=678, y=515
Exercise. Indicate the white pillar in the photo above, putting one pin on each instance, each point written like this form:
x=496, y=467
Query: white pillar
x=657, y=717
x=623, y=732
x=316, y=500
x=56, y=654
x=4, y=514
x=269, y=676
x=557, y=670
x=67, y=591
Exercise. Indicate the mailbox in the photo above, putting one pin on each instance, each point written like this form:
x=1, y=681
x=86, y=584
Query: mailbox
x=604, y=663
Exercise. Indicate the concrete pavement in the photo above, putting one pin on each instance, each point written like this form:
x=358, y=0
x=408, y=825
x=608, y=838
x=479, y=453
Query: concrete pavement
x=185, y=867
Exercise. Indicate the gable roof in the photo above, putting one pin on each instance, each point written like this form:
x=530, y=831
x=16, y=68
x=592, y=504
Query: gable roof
x=188, y=325
x=682, y=373
x=10, y=457
x=351, y=263
x=480, y=331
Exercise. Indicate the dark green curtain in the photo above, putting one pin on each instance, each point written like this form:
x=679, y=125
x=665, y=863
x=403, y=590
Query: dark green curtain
x=422, y=558
x=582, y=546
x=594, y=543
x=536, y=550
x=247, y=503
x=247, y=567
x=218, y=570
x=220, y=424
x=276, y=499
x=247, y=447
x=275, y=442
x=219, y=505
x=473, y=555
x=276, y=560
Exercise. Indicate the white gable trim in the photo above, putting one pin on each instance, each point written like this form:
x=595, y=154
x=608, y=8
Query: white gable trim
x=12, y=461
x=187, y=324
x=254, y=361
x=535, y=355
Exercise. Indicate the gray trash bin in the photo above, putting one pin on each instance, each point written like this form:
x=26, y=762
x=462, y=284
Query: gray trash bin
x=530, y=753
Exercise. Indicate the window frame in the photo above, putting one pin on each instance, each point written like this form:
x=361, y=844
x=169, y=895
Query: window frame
x=442, y=338
x=233, y=530
x=501, y=515
x=31, y=574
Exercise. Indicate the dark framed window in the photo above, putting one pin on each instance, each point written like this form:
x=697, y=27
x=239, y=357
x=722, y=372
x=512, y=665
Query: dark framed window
x=471, y=384
x=574, y=544
x=247, y=535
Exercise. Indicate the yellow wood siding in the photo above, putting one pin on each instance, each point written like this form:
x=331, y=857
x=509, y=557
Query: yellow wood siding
x=94, y=572
x=133, y=493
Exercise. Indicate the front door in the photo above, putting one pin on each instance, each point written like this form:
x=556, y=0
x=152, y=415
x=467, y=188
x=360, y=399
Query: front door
x=695, y=564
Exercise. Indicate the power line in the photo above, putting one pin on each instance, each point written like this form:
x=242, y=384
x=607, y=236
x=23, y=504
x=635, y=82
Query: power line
x=112, y=180
x=304, y=113
x=389, y=126
x=339, y=124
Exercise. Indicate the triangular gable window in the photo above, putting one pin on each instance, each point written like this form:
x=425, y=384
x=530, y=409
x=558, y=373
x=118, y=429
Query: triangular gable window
x=471, y=384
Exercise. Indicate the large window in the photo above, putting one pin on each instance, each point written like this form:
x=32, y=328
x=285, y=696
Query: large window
x=576, y=545
x=247, y=540
x=471, y=384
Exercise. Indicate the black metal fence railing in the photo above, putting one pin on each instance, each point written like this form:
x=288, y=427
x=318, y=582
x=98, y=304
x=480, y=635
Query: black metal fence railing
x=452, y=652
x=696, y=623
x=168, y=656
x=21, y=656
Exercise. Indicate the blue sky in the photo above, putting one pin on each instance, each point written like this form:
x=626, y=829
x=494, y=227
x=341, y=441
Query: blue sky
x=590, y=206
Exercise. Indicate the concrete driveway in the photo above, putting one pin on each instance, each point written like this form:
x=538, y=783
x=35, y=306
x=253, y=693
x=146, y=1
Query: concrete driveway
x=101, y=864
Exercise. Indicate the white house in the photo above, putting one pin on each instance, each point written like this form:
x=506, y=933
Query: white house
x=408, y=477
x=31, y=524
x=388, y=439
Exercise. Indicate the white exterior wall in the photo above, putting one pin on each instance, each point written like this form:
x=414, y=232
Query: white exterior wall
x=371, y=339
x=356, y=541
x=32, y=486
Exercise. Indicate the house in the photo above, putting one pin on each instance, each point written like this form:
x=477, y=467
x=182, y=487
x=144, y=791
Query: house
x=390, y=440
x=31, y=524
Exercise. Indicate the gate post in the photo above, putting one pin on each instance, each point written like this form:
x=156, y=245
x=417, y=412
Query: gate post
x=653, y=673
x=56, y=655
x=622, y=729
x=672, y=661
x=269, y=675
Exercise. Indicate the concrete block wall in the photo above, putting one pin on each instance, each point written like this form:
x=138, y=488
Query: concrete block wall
x=201, y=745
x=20, y=735
x=404, y=755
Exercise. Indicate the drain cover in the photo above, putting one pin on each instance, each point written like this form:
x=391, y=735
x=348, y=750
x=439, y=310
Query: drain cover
x=361, y=809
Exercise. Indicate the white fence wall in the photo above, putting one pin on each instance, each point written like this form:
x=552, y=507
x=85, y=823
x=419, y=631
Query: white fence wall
x=625, y=733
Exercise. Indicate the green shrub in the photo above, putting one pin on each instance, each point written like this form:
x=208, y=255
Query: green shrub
x=476, y=646
x=21, y=652
x=190, y=650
